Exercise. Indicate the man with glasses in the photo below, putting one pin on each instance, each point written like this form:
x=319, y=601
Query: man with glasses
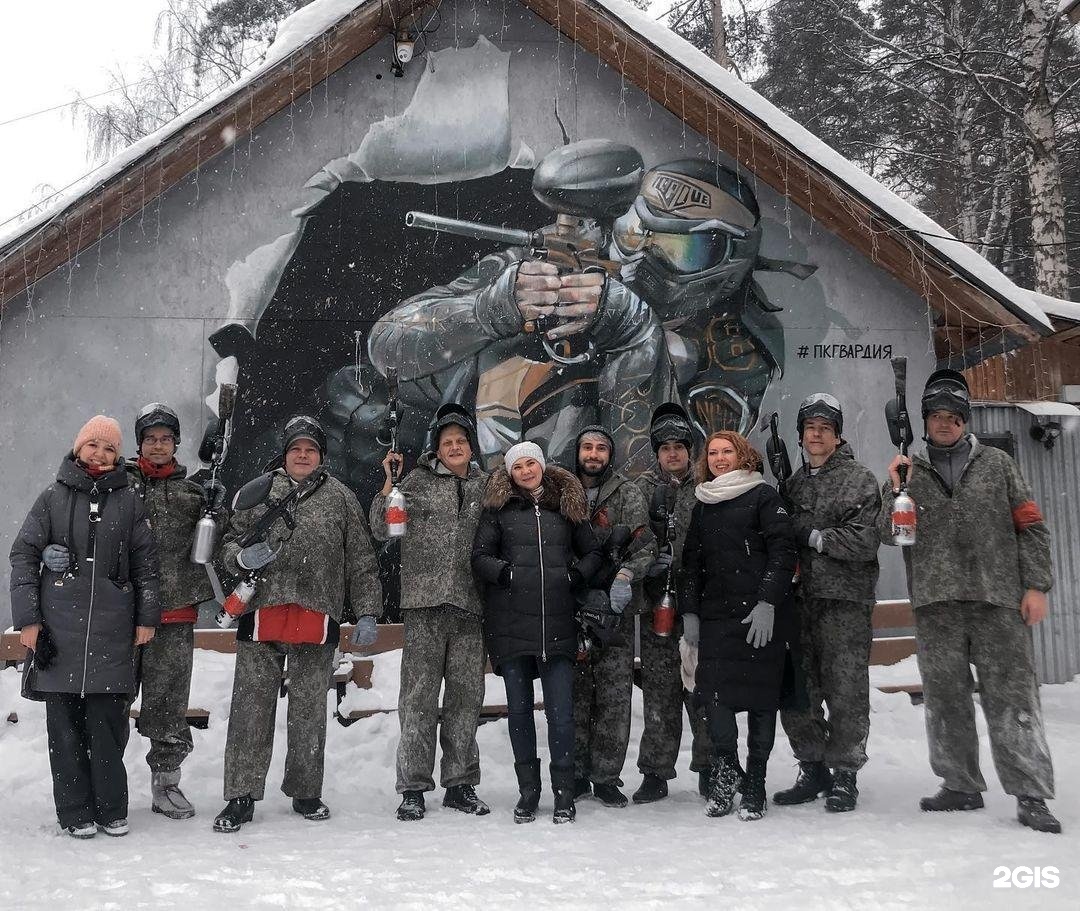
x=174, y=505
x=978, y=572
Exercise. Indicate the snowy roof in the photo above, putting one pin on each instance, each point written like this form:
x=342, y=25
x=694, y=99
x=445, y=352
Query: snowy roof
x=1055, y=306
x=313, y=20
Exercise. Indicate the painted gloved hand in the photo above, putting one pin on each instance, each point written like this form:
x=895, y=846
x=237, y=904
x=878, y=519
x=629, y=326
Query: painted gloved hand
x=256, y=556
x=364, y=633
x=660, y=566
x=56, y=557
x=619, y=595
x=761, y=624
x=691, y=629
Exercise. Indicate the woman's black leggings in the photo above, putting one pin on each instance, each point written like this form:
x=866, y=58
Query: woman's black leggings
x=557, y=682
x=724, y=731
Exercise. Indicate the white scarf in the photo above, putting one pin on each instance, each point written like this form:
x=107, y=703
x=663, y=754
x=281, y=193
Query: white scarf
x=728, y=486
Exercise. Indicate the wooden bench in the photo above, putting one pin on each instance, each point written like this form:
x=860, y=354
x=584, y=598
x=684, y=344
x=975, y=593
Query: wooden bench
x=894, y=640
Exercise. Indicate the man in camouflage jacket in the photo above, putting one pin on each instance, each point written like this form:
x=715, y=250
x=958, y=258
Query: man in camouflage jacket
x=668, y=485
x=308, y=576
x=441, y=612
x=174, y=505
x=978, y=574
x=835, y=504
x=604, y=680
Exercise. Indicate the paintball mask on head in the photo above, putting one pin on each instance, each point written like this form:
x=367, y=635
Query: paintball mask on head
x=691, y=236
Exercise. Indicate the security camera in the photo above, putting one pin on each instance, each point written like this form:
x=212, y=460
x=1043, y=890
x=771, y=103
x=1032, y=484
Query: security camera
x=1045, y=433
x=403, y=49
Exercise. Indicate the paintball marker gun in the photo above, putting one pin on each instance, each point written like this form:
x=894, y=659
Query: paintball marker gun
x=215, y=444
x=777, y=454
x=397, y=517
x=899, y=423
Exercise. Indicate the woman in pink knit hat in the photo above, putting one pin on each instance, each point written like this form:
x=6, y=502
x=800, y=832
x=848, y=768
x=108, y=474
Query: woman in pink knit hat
x=84, y=593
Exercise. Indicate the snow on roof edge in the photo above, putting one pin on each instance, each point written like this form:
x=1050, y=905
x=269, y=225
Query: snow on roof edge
x=733, y=88
x=314, y=19
x=1055, y=306
x=293, y=33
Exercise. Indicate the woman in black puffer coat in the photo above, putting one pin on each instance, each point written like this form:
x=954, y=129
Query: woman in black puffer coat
x=83, y=612
x=735, y=598
x=534, y=547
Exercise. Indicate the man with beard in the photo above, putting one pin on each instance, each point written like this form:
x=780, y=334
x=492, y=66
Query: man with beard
x=604, y=679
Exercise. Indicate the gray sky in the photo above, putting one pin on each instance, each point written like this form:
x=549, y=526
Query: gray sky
x=48, y=49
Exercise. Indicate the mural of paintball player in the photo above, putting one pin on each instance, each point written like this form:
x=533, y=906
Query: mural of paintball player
x=689, y=247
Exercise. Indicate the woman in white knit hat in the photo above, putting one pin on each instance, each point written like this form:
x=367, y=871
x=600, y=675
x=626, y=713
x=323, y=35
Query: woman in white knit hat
x=534, y=547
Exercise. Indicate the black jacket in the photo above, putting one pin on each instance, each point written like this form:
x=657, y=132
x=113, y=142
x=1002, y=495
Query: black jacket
x=529, y=557
x=737, y=553
x=91, y=615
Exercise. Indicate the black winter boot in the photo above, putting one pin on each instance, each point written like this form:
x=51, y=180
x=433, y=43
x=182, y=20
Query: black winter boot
x=653, y=788
x=237, y=811
x=609, y=794
x=703, y=779
x=1035, y=814
x=753, y=803
x=311, y=808
x=844, y=793
x=813, y=779
x=723, y=784
x=528, y=776
x=411, y=807
x=949, y=801
x=582, y=788
x=463, y=797
x=562, y=783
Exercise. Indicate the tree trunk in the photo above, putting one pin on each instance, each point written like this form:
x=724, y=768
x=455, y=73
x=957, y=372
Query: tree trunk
x=1043, y=164
x=719, y=35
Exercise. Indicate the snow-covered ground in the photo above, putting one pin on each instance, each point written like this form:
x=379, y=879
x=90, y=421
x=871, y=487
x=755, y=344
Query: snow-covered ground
x=885, y=855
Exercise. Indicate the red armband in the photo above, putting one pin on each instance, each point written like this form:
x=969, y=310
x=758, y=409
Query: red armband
x=1025, y=515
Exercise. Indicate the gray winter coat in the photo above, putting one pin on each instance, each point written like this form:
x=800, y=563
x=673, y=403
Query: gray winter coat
x=90, y=615
x=174, y=505
x=842, y=502
x=326, y=562
x=986, y=541
x=621, y=502
x=436, y=552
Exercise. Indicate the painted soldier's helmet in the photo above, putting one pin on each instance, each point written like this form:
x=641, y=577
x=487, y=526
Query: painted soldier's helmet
x=690, y=238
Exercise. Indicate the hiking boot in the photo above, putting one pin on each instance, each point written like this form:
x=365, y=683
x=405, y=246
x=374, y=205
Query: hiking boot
x=311, y=808
x=1034, y=813
x=168, y=799
x=813, y=779
x=609, y=794
x=81, y=830
x=562, y=783
x=463, y=797
x=582, y=788
x=753, y=803
x=237, y=811
x=411, y=806
x=528, y=776
x=115, y=828
x=949, y=801
x=724, y=780
x=844, y=793
x=653, y=788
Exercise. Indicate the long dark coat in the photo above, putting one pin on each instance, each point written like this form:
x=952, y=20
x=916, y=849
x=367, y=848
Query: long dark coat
x=530, y=557
x=737, y=553
x=90, y=614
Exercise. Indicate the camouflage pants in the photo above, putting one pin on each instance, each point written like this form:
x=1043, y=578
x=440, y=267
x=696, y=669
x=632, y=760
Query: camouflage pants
x=603, y=685
x=441, y=643
x=835, y=637
x=164, y=673
x=250, y=741
x=664, y=699
x=952, y=636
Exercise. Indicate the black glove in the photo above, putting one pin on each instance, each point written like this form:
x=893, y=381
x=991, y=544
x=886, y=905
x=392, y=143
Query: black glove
x=215, y=494
x=660, y=566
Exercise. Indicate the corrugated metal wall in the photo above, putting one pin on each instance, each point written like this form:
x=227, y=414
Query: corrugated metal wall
x=1054, y=476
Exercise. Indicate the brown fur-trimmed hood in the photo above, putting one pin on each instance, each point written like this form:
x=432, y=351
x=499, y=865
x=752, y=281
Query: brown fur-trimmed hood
x=562, y=493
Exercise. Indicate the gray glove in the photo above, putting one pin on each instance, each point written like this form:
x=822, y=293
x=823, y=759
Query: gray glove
x=619, y=595
x=256, y=556
x=761, y=624
x=691, y=629
x=364, y=633
x=660, y=566
x=815, y=540
x=56, y=557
